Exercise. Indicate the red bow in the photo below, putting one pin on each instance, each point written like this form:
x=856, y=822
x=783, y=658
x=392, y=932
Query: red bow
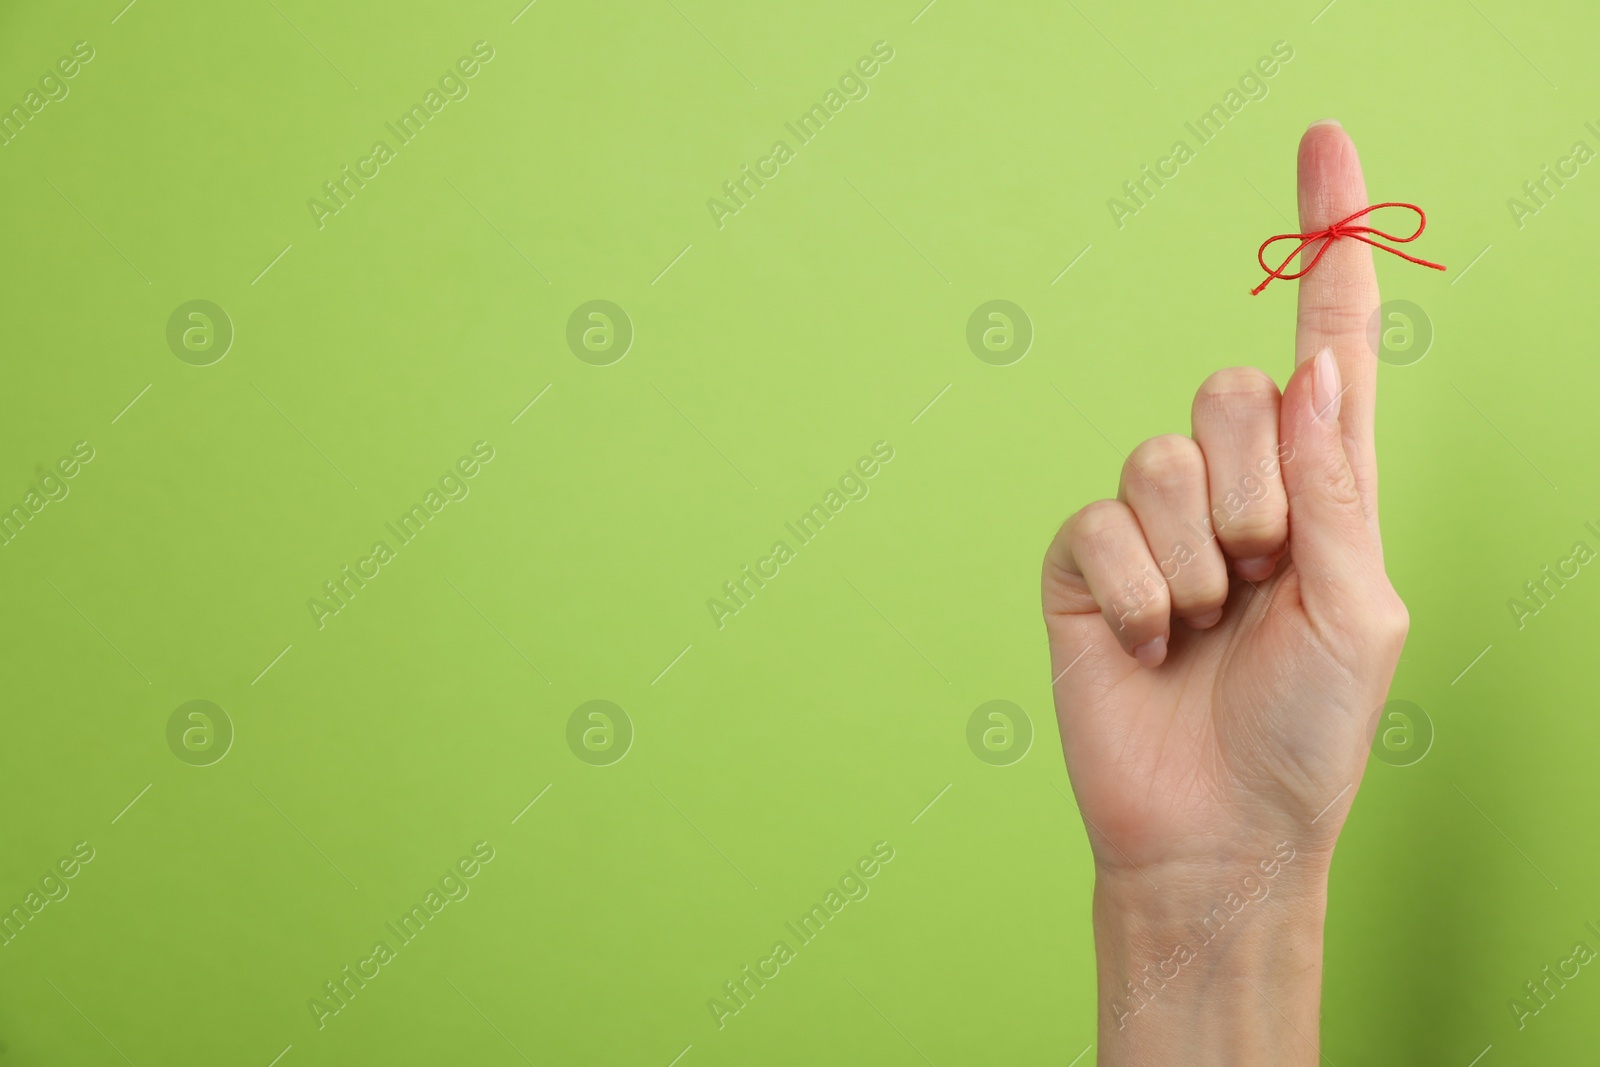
x=1342, y=228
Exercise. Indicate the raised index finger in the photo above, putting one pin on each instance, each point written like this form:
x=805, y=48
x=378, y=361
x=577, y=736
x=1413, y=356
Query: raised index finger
x=1339, y=297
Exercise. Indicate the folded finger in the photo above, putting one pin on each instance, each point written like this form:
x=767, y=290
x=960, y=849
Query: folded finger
x=1235, y=422
x=1164, y=482
x=1106, y=546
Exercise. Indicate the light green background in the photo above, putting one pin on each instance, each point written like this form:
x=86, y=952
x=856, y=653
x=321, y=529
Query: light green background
x=773, y=353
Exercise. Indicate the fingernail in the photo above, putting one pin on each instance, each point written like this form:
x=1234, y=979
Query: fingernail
x=1206, y=621
x=1326, y=386
x=1326, y=122
x=1255, y=568
x=1152, y=652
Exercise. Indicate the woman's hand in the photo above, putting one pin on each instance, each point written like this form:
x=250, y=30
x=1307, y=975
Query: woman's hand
x=1222, y=638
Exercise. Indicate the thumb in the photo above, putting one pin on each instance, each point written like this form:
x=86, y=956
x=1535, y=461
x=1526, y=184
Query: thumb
x=1332, y=544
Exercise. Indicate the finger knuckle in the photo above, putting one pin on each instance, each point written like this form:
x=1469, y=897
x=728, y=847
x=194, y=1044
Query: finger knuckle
x=1140, y=608
x=1235, y=388
x=1344, y=308
x=1394, y=618
x=1169, y=462
x=1098, y=522
x=1203, y=591
x=1375, y=619
x=1339, y=482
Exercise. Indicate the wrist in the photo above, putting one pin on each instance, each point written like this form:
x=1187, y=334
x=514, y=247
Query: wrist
x=1216, y=963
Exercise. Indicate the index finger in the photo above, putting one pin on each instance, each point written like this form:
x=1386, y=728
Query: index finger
x=1339, y=297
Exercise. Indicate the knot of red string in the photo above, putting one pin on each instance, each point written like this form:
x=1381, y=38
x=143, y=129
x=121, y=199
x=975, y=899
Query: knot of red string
x=1342, y=228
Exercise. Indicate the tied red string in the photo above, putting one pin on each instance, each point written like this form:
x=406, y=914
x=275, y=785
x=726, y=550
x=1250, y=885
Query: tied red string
x=1342, y=228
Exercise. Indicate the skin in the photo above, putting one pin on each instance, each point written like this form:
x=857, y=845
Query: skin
x=1222, y=637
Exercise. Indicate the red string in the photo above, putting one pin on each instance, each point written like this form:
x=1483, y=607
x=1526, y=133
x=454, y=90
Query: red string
x=1342, y=228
